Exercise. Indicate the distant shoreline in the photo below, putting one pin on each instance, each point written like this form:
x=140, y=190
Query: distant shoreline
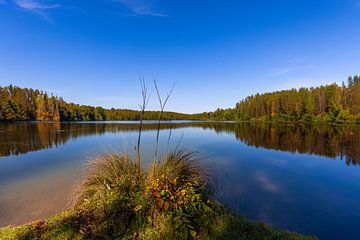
x=154, y=121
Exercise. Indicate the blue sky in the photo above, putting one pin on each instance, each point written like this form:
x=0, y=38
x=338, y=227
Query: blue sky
x=216, y=52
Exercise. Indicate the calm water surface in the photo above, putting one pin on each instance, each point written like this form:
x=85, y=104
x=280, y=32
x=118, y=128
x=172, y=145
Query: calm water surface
x=304, y=178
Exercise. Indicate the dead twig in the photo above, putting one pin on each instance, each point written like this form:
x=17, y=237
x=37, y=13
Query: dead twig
x=162, y=107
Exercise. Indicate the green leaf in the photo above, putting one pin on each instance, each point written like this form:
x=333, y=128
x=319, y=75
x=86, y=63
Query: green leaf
x=192, y=233
x=189, y=226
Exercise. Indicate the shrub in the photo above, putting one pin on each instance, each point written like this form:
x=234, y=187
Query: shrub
x=178, y=187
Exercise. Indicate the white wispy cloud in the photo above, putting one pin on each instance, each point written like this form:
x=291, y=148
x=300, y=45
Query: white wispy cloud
x=283, y=71
x=36, y=7
x=266, y=183
x=296, y=59
x=141, y=7
x=289, y=69
x=33, y=5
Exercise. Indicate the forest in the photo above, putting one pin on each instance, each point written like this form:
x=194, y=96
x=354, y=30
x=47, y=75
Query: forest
x=329, y=103
x=24, y=104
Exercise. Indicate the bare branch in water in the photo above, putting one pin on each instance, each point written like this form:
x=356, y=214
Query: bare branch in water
x=143, y=105
x=168, y=143
x=162, y=107
x=178, y=145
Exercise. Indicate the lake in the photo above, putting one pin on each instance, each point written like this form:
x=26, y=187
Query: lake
x=304, y=178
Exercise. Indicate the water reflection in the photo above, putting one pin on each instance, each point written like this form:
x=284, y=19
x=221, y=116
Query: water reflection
x=323, y=140
x=283, y=175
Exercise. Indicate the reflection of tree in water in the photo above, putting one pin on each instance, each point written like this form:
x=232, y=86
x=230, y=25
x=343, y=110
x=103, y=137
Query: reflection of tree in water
x=19, y=138
x=324, y=140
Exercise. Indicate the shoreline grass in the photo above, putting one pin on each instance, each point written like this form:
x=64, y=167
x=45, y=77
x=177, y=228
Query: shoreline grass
x=172, y=200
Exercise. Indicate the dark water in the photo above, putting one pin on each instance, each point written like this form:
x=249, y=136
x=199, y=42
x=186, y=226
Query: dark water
x=304, y=178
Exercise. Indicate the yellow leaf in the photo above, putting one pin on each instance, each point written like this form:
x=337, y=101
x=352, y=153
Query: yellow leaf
x=137, y=208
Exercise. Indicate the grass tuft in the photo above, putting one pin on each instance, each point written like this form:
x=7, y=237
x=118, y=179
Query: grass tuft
x=109, y=173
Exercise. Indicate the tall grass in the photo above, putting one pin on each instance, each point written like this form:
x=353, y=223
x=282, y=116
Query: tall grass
x=109, y=172
x=107, y=194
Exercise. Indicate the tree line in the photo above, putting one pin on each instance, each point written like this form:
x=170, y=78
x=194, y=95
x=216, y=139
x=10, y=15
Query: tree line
x=330, y=103
x=21, y=104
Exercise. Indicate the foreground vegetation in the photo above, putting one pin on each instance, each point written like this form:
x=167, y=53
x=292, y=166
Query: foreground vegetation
x=170, y=201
